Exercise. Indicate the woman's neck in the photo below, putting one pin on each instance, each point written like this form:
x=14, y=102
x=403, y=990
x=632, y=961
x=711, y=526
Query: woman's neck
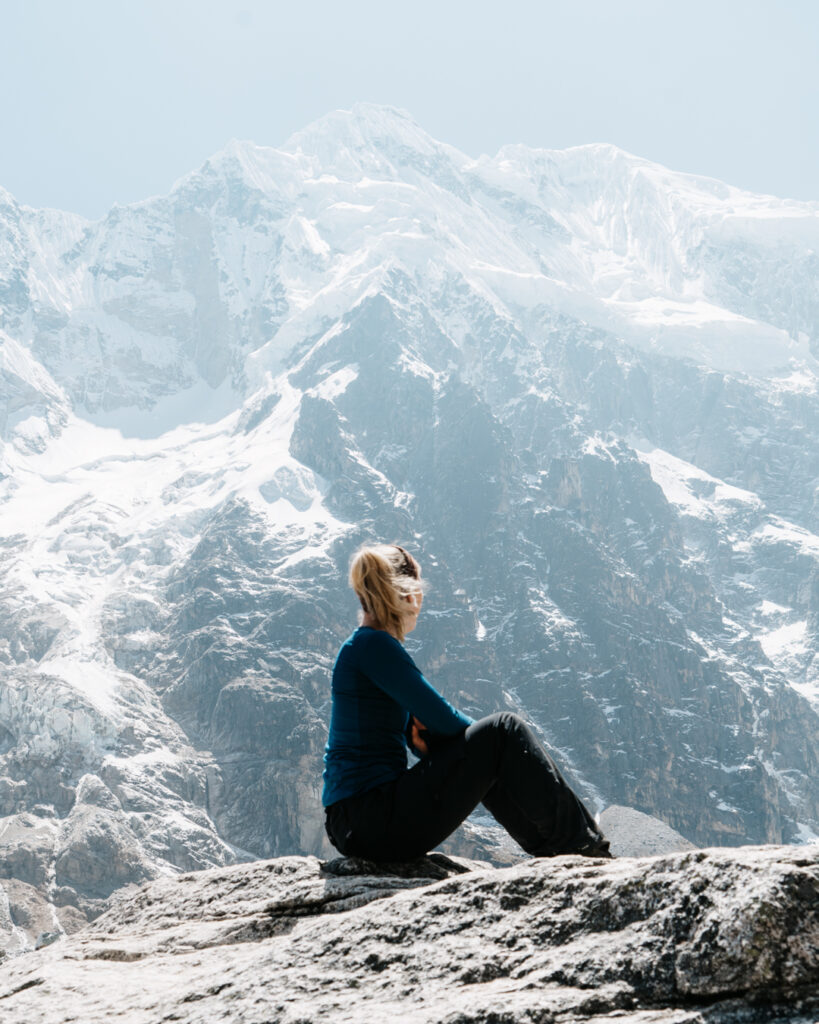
x=369, y=621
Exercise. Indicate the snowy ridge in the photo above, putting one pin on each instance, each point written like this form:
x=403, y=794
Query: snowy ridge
x=296, y=233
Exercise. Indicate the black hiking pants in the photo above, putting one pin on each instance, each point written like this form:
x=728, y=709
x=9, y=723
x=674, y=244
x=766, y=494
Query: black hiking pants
x=496, y=761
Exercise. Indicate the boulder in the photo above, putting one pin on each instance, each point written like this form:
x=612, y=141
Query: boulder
x=632, y=833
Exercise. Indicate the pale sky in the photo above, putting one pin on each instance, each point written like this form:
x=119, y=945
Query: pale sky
x=107, y=101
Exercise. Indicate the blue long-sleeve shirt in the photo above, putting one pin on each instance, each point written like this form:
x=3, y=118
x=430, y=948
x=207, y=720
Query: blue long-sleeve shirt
x=376, y=687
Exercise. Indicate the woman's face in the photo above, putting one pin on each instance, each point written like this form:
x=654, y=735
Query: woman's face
x=414, y=602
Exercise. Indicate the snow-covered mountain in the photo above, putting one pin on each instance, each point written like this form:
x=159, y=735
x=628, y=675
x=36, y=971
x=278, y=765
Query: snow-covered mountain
x=581, y=386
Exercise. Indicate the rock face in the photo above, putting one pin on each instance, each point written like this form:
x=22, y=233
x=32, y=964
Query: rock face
x=712, y=936
x=581, y=387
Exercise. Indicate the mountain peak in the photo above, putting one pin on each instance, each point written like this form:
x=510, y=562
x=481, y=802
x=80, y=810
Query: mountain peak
x=262, y=167
x=364, y=130
x=6, y=198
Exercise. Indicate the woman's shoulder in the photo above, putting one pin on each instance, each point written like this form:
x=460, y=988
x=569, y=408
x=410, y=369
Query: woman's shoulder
x=368, y=641
x=366, y=650
x=369, y=636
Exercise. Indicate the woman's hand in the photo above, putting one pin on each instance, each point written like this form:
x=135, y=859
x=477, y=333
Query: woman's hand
x=418, y=742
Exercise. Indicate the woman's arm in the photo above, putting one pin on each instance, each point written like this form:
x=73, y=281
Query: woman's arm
x=389, y=666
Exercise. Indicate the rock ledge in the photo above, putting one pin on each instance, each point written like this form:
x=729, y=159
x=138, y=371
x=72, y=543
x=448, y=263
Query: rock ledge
x=703, y=936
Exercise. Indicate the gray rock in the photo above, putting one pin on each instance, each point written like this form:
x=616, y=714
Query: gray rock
x=705, y=937
x=633, y=834
x=29, y=920
x=27, y=848
x=98, y=853
x=92, y=791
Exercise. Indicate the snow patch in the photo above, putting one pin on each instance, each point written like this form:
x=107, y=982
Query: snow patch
x=786, y=641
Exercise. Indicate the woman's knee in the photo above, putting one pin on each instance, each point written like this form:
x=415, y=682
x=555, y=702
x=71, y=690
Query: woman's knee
x=487, y=737
x=502, y=721
x=511, y=722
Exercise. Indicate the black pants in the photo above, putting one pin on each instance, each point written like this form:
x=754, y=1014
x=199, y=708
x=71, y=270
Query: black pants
x=497, y=761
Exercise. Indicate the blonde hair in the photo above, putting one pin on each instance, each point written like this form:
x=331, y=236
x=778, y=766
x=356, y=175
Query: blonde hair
x=382, y=575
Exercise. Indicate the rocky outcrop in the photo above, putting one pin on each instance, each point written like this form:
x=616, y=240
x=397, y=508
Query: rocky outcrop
x=711, y=936
x=633, y=834
x=29, y=921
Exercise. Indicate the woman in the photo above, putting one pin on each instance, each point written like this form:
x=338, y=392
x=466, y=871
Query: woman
x=379, y=809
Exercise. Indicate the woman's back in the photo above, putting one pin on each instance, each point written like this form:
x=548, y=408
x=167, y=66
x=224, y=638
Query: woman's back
x=376, y=687
x=366, y=745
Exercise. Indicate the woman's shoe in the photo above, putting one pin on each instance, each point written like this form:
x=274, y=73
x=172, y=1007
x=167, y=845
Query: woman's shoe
x=600, y=849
